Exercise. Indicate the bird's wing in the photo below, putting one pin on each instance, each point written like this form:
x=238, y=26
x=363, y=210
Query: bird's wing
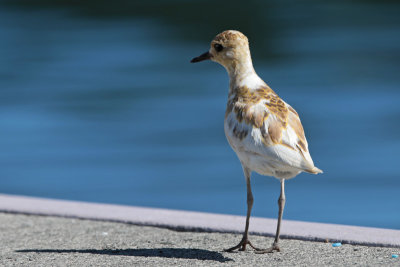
x=272, y=128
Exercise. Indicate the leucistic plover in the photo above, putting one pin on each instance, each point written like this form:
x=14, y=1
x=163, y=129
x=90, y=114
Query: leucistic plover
x=263, y=130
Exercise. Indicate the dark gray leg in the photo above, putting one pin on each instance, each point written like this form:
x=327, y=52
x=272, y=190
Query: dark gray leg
x=281, y=203
x=245, y=240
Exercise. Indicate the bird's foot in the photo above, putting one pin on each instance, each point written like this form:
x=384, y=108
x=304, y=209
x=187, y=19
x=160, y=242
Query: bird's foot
x=275, y=247
x=242, y=245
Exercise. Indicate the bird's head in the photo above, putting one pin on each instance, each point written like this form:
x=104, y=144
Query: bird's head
x=229, y=48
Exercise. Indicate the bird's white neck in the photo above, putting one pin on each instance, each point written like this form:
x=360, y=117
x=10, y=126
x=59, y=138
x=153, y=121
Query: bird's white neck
x=242, y=73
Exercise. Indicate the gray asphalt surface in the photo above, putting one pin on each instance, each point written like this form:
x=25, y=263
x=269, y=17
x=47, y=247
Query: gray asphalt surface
x=28, y=240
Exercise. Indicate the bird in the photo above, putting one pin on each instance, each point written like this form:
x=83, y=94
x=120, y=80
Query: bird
x=263, y=130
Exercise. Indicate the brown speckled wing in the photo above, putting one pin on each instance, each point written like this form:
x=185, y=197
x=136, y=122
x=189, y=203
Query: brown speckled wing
x=295, y=124
x=259, y=116
x=273, y=119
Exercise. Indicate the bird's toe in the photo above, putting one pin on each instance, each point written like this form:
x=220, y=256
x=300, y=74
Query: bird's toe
x=273, y=248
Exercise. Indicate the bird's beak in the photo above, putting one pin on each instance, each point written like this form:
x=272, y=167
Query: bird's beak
x=202, y=57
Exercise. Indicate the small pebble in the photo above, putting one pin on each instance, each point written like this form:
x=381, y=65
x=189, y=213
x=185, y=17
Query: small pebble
x=336, y=244
x=395, y=256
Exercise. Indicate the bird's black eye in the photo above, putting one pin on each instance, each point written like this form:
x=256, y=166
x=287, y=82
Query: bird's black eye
x=218, y=47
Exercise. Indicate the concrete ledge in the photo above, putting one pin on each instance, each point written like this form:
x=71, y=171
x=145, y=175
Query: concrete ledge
x=199, y=221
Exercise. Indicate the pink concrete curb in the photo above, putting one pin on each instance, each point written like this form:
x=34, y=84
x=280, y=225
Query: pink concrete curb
x=199, y=221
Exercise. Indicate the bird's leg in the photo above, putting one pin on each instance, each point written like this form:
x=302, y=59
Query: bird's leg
x=281, y=203
x=245, y=239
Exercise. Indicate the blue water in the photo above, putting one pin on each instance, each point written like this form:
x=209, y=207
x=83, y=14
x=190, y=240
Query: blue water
x=98, y=102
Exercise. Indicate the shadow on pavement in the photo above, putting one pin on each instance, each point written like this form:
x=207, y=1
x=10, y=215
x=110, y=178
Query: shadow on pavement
x=179, y=253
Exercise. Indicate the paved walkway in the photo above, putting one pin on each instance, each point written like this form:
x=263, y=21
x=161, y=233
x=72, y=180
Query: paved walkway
x=31, y=240
x=200, y=221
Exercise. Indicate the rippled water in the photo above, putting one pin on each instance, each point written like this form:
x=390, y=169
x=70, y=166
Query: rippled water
x=99, y=103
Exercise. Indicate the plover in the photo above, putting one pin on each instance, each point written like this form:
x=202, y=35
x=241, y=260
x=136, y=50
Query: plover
x=263, y=130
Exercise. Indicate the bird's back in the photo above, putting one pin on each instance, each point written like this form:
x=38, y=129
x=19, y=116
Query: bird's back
x=266, y=133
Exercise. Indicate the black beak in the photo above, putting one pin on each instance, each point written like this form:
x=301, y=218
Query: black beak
x=202, y=57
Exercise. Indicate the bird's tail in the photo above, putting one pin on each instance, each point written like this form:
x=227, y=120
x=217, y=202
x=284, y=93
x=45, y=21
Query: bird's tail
x=314, y=170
